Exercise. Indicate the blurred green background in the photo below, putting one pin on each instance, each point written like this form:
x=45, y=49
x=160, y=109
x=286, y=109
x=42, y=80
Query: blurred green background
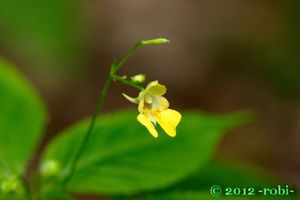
x=224, y=56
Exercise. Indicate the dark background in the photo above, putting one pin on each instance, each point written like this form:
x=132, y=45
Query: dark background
x=224, y=56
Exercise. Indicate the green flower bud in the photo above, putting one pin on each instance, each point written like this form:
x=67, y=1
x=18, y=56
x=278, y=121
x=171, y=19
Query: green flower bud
x=155, y=41
x=11, y=186
x=139, y=78
x=50, y=168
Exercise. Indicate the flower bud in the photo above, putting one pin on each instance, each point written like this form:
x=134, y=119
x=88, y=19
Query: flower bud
x=155, y=41
x=11, y=186
x=50, y=168
x=139, y=78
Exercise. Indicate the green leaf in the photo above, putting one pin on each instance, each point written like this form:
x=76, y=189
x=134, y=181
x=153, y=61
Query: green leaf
x=225, y=174
x=123, y=158
x=57, y=195
x=181, y=196
x=208, y=196
x=22, y=119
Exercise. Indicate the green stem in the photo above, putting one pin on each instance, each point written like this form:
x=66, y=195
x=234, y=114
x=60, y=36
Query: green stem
x=126, y=82
x=26, y=187
x=135, y=48
x=131, y=52
x=88, y=134
x=113, y=70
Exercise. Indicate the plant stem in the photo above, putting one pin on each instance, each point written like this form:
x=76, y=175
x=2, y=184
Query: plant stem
x=126, y=82
x=113, y=70
x=88, y=134
x=131, y=52
x=26, y=187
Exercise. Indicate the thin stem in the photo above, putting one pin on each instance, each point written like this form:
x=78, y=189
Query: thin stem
x=131, y=52
x=113, y=70
x=88, y=134
x=126, y=82
x=26, y=187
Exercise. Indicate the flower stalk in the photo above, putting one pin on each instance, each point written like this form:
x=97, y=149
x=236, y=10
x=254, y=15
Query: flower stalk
x=26, y=187
x=127, y=82
x=112, y=76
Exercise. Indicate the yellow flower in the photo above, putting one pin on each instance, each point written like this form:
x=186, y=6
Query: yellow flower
x=154, y=108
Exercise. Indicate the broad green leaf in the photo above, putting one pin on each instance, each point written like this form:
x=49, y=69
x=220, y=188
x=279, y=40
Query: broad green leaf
x=208, y=196
x=180, y=196
x=225, y=174
x=22, y=118
x=123, y=158
x=57, y=195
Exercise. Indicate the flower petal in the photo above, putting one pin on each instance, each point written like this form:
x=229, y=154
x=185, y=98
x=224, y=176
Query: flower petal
x=141, y=106
x=154, y=88
x=147, y=123
x=168, y=120
x=159, y=103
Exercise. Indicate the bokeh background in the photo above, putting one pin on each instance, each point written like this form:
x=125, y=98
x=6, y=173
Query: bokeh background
x=224, y=56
